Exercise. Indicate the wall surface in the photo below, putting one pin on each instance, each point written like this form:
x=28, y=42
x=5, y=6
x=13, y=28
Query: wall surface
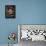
x=31, y=11
x=27, y=12
x=6, y=25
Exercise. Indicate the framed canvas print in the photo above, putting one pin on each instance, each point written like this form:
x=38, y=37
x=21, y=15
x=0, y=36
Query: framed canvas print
x=10, y=11
x=32, y=32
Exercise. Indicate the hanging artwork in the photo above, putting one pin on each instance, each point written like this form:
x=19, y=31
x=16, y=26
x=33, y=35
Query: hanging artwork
x=10, y=11
x=12, y=38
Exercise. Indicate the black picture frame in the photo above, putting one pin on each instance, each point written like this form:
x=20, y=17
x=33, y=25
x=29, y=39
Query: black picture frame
x=10, y=11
